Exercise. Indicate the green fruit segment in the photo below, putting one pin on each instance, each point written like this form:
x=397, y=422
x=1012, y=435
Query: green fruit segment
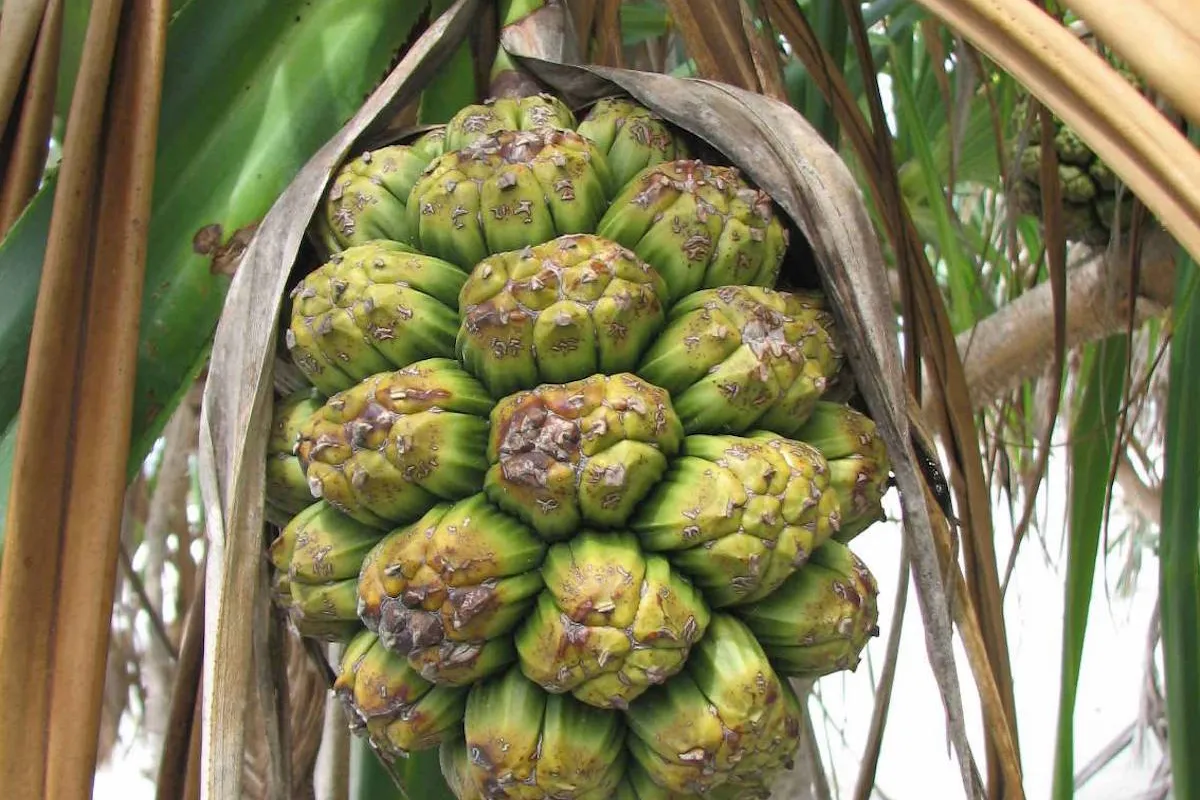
x=447, y=590
x=287, y=491
x=506, y=191
x=821, y=618
x=475, y=122
x=725, y=722
x=558, y=312
x=740, y=357
x=395, y=445
x=739, y=515
x=367, y=198
x=700, y=226
x=858, y=463
x=524, y=743
x=631, y=136
x=453, y=760
x=1094, y=205
x=374, y=307
x=587, y=451
x=318, y=556
x=611, y=622
x=391, y=703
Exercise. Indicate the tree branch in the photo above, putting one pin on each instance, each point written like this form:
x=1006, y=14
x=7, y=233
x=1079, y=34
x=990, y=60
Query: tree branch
x=1146, y=500
x=1017, y=341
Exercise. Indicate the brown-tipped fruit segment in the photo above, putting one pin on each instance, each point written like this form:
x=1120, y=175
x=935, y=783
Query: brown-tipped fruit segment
x=631, y=136
x=321, y=552
x=374, y=307
x=447, y=591
x=740, y=357
x=739, y=515
x=611, y=622
x=367, y=197
x=700, y=226
x=584, y=452
x=287, y=491
x=858, y=463
x=389, y=449
x=557, y=312
x=525, y=744
x=386, y=699
x=821, y=618
x=722, y=724
x=494, y=115
x=506, y=191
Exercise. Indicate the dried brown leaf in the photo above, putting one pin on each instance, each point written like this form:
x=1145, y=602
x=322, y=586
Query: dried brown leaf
x=713, y=36
x=610, y=49
x=239, y=391
x=1160, y=39
x=923, y=307
x=764, y=52
x=185, y=700
x=19, y=178
x=18, y=32
x=56, y=587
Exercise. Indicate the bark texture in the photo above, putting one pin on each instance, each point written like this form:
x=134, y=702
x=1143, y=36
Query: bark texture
x=1017, y=342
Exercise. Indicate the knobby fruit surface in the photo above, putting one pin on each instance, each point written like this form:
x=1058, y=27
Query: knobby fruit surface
x=570, y=484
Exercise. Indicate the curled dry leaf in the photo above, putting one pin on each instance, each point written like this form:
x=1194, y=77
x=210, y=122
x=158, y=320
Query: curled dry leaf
x=237, y=406
x=775, y=147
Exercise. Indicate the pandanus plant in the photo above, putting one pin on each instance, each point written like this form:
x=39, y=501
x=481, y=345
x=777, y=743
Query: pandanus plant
x=597, y=397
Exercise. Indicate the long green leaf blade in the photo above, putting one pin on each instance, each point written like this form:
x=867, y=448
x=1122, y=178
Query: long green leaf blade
x=419, y=773
x=1093, y=435
x=1179, y=558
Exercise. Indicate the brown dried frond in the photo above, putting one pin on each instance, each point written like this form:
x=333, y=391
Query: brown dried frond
x=306, y=691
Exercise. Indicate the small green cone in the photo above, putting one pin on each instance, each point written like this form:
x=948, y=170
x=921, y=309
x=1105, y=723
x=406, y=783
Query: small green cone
x=700, y=226
x=1088, y=188
x=724, y=724
x=631, y=136
x=739, y=515
x=447, y=591
x=558, y=312
x=587, y=451
x=386, y=699
x=858, y=463
x=507, y=114
x=507, y=191
x=321, y=552
x=611, y=622
x=372, y=308
x=821, y=618
x=287, y=491
x=741, y=357
x=524, y=743
x=392, y=447
x=367, y=198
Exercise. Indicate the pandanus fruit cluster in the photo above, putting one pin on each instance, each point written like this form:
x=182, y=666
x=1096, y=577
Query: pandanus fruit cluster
x=574, y=479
